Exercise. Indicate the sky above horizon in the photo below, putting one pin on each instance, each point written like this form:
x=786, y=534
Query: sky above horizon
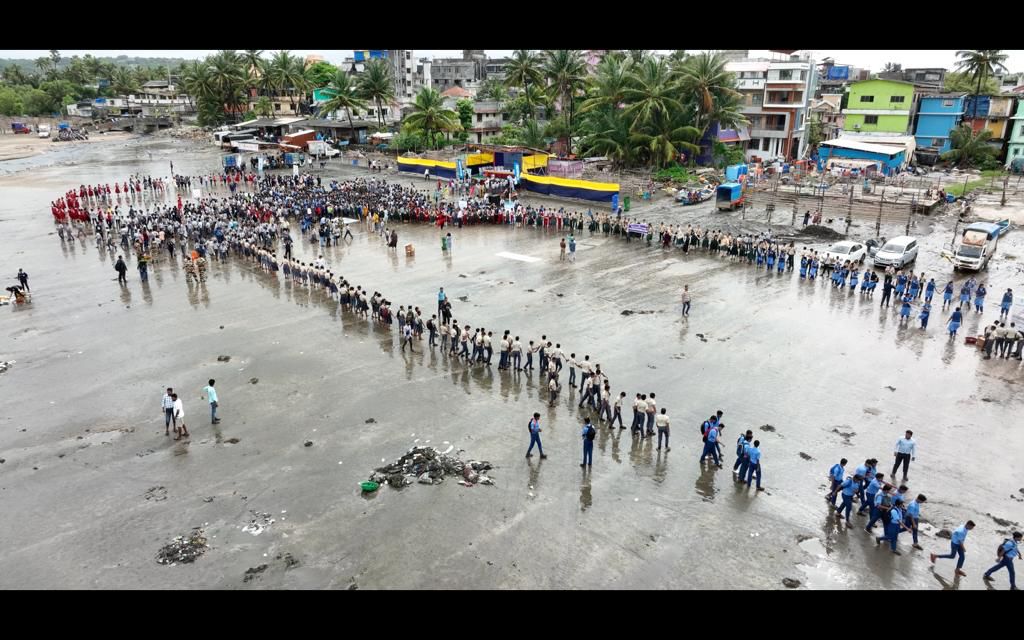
x=873, y=59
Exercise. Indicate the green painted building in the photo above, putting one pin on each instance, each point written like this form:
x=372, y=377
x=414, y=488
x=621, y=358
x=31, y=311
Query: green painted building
x=1016, y=149
x=879, y=106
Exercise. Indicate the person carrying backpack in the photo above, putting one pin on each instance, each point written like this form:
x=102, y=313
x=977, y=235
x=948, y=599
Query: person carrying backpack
x=835, y=475
x=1007, y=551
x=588, y=435
x=880, y=507
x=893, y=525
x=534, y=428
x=740, y=466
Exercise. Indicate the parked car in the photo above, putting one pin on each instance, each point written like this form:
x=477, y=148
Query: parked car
x=898, y=252
x=846, y=250
x=44, y=130
x=873, y=246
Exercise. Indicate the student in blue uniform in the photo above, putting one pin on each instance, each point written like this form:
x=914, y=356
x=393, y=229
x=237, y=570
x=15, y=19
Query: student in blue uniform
x=848, y=488
x=893, y=527
x=954, y=322
x=979, y=298
x=803, y=267
x=905, y=309
x=929, y=290
x=913, y=517
x=880, y=506
x=873, y=285
x=865, y=283
x=771, y=259
x=1008, y=552
x=965, y=294
x=874, y=485
x=740, y=466
x=835, y=476
x=915, y=287
x=711, y=445
x=947, y=294
x=853, y=279
x=1005, y=304
x=754, y=464
x=926, y=311
x=780, y=266
x=957, y=548
x=901, y=284
x=814, y=268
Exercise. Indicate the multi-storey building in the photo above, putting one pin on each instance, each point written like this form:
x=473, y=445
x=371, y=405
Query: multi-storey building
x=937, y=115
x=1015, y=150
x=879, y=106
x=776, y=96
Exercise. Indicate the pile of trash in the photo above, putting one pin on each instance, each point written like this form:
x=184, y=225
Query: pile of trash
x=6, y=364
x=427, y=465
x=822, y=232
x=184, y=549
x=258, y=523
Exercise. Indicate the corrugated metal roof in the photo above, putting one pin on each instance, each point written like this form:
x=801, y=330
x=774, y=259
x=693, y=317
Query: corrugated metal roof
x=856, y=145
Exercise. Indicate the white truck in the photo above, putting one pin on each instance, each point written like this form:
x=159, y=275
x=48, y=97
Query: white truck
x=977, y=246
x=320, y=149
x=44, y=130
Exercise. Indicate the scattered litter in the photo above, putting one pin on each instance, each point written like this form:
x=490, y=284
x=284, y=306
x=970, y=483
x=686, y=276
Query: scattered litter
x=944, y=533
x=805, y=456
x=463, y=298
x=791, y=583
x=221, y=326
x=223, y=358
x=353, y=587
x=232, y=441
x=252, y=572
x=629, y=312
x=6, y=364
x=259, y=523
x=307, y=443
x=429, y=466
x=636, y=499
x=253, y=380
x=559, y=295
x=1002, y=522
x=371, y=421
x=767, y=427
x=289, y=560
x=156, y=494
x=184, y=549
x=208, y=499
x=845, y=435
x=531, y=291
x=890, y=387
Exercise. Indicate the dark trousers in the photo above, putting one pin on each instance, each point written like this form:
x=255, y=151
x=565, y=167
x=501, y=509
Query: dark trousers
x=588, y=452
x=169, y=418
x=1008, y=563
x=710, y=450
x=535, y=440
x=955, y=550
x=751, y=469
x=572, y=376
x=905, y=459
x=847, y=506
x=617, y=414
x=662, y=431
x=432, y=342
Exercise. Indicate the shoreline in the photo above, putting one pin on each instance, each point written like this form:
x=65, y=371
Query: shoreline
x=21, y=146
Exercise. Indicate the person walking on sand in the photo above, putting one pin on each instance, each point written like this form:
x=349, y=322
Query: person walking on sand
x=179, y=417
x=534, y=427
x=686, y=301
x=1005, y=555
x=561, y=253
x=957, y=548
x=211, y=396
x=167, y=404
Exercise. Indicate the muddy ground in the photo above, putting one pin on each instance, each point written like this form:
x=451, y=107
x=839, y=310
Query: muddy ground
x=92, y=490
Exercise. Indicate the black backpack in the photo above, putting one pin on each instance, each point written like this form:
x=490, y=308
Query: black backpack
x=591, y=432
x=1000, y=550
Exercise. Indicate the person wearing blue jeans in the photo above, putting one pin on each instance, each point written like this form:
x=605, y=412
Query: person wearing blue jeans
x=867, y=499
x=880, y=508
x=892, y=528
x=1010, y=551
x=211, y=395
x=913, y=517
x=711, y=439
x=754, y=464
x=835, y=476
x=957, y=548
x=589, y=433
x=167, y=404
x=535, y=437
x=741, y=454
x=849, y=488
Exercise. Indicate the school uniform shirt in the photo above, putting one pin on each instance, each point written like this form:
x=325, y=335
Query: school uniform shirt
x=906, y=445
x=861, y=471
x=836, y=472
x=914, y=510
x=712, y=435
x=651, y=405
x=874, y=486
x=553, y=385
x=1010, y=549
x=752, y=452
x=211, y=394
x=661, y=421
x=618, y=403
x=959, y=534
x=517, y=347
x=850, y=487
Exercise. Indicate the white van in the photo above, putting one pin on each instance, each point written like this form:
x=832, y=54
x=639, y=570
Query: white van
x=44, y=130
x=898, y=252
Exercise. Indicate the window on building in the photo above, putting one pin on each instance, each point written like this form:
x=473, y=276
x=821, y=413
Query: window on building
x=803, y=75
x=897, y=98
x=755, y=143
x=277, y=106
x=479, y=117
x=947, y=103
x=764, y=144
x=932, y=77
x=870, y=119
x=867, y=98
x=785, y=74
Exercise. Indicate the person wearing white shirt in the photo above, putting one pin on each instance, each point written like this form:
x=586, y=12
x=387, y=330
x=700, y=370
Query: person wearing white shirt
x=179, y=416
x=571, y=361
x=905, y=451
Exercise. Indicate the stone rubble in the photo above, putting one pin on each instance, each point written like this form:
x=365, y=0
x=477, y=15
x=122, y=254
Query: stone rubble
x=427, y=465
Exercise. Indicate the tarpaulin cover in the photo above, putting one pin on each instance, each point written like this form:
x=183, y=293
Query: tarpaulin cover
x=568, y=188
x=439, y=168
x=477, y=159
x=535, y=161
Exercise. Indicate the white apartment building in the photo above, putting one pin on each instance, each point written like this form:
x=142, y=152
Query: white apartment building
x=776, y=97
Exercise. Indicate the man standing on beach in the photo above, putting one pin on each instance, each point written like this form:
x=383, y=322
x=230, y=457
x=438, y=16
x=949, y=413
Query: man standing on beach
x=686, y=301
x=167, y=404
x=211, y=396
x=121, y=268
x=23, y=280
x=179, y=416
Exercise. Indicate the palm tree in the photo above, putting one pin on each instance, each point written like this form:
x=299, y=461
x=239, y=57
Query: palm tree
x=227, y=79
x=531, y=135
x=524, y=71
x=969, y=148
x=638, y=56
x=651, y=91
x=980, y=63
x=665, y=136
x=197, y=81
x=43, y=64
x=493, y=90
x=611, y=80
x=607, y=133
x=286, y=73
x=13, y=75
x=253, y=60
x=430, y=116
x=376, y=84
x=704, y=78
x=343, y=94
x=263, y=107
x=566, y=74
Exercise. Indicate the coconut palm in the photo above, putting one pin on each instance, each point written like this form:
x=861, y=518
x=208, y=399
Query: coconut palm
x=523, y=71
x=565, y=71
x=665, y=136
x=124, y=82
x=651, y=91
x=263, y=107
x=287, y=73
x=197, y=81
x=376, y=84
x=611, y=80
x=343, y=94
x=969, y=148
x=704, y=78
x=493, y=90
x=227, y=78
x=532, y=135
x=980, y=63
x=607, y=133
x=253, y=61
x=429, y=115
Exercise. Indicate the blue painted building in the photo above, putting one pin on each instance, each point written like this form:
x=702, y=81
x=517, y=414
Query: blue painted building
x=937, y=115
x=847, y=153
